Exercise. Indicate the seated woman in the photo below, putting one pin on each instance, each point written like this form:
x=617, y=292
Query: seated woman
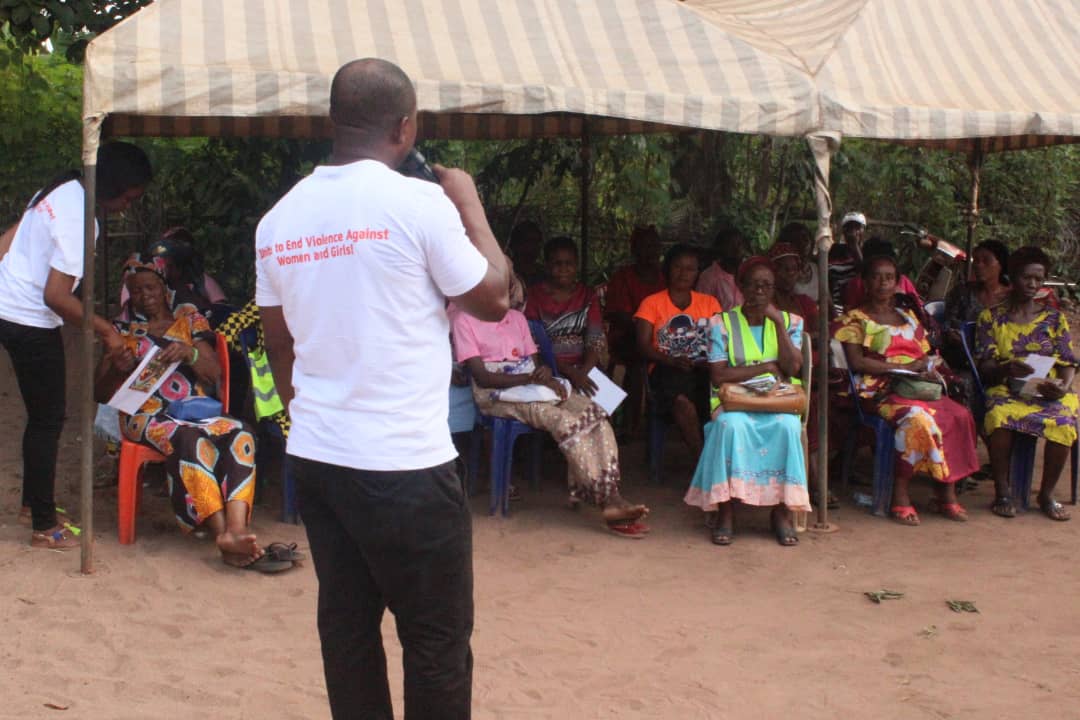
x=210, y=465
x=570, y=312
x=184, y=274
x=747, y=342
x=502, y=355
x=1007, y=337
x=964, y=304
x=933, y=437
x=673, y=336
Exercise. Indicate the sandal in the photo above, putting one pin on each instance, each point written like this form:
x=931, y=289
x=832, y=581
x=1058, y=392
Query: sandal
x=633, y=530
x=61, y=537
x=721, y=535
x=952, y=511
x=786, y=536
x=1003, y=507
x=263, y=564
x=905, y=515
x=279, y=551
x=1054, y=510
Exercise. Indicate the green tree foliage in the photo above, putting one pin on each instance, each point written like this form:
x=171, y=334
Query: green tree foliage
x=30, y=23
x=689, y=184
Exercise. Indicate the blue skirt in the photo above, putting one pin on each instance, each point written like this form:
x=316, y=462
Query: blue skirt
x=753, y=457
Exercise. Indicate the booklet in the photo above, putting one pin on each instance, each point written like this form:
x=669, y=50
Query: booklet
x=143, y=381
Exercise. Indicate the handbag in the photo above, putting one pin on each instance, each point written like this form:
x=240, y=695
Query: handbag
x=783, y=398
x=913, y=389
x=194, y=409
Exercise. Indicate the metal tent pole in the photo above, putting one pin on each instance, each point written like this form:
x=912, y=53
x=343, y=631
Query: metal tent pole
x=86, y=355
x=586, y=182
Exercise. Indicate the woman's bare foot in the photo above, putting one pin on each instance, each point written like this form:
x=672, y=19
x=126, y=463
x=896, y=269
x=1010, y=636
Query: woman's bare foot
x=619, y=510
x=238, y=550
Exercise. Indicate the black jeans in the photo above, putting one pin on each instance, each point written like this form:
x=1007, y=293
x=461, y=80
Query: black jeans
x=397, y=540
x=38, y=357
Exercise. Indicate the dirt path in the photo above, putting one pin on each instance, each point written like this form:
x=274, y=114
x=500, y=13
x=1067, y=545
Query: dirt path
x=570, y=622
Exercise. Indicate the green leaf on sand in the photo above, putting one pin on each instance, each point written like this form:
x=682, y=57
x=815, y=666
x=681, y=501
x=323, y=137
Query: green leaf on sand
x=878, y=595
x=962, y=606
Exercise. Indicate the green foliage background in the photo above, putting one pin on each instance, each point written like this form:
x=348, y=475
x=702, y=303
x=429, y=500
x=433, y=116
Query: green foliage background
x=690, y=185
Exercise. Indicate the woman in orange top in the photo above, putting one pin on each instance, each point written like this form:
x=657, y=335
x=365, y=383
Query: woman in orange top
x=672, y=328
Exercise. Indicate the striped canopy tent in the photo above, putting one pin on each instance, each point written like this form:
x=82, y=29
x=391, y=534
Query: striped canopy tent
x=967, y=74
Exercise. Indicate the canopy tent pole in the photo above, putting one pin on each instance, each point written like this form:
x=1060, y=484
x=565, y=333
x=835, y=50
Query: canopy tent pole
x=975, y=161
x=91, y=139
x=823, y=145
x=585, y=152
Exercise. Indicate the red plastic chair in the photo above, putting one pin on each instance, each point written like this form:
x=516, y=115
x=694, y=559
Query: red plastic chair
x=134, y=455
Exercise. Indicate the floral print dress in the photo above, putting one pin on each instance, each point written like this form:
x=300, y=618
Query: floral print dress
x=932, y=437
x=997, y=337
x=207, y=464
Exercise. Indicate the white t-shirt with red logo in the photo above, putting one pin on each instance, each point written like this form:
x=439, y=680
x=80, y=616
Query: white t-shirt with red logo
x=49, y=236
x=361, y=258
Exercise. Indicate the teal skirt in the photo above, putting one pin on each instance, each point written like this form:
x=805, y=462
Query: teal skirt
x=756, y=458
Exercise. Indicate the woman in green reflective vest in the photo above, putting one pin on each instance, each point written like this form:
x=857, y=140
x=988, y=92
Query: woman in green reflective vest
x=753, y=457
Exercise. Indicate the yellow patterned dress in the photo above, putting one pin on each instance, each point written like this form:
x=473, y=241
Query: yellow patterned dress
x=208, y=463
x=997, y=337
x=932, y=437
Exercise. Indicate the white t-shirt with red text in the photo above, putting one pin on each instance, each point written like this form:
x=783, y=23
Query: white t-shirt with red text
x=49, y=236
x=361, y=258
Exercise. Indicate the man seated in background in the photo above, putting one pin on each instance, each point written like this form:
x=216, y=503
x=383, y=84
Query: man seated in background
x=717, y=279
x=629, y=285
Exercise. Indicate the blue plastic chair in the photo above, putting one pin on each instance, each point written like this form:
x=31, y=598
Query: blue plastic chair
x=1022, y=456
x=504, y=433
x=884, y=451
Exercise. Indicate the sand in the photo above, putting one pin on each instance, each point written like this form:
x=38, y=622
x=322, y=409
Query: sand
x=571, y=622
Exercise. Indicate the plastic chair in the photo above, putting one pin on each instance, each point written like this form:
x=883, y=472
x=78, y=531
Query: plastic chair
x=884, y=442
x=504, y=433
x=133, y=456
x=936, y=310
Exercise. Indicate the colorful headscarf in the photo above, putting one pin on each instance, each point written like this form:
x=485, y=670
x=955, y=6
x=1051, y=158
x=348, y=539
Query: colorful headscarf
x=136, y=262
x=749, y=264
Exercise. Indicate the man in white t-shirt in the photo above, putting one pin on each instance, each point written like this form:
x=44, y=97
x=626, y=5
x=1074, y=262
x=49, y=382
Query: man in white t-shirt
x=353, y=267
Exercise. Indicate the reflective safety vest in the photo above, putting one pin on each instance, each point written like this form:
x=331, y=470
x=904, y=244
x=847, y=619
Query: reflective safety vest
x=267, y=402
x=743, y=349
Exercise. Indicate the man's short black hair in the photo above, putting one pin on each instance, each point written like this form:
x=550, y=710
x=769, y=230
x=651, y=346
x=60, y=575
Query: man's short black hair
x=372, y=95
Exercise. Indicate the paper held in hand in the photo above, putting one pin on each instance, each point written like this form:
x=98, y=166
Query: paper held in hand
x=608, y=395
x=1040, y=370
x=143, y=381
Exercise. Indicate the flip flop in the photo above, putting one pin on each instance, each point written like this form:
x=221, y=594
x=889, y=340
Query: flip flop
x=266, y=565
x=634, y=530
x=785, y=536
x=280, y=551
x=952, y=511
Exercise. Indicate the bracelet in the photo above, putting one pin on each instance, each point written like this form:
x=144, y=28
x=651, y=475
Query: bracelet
x=194, y=355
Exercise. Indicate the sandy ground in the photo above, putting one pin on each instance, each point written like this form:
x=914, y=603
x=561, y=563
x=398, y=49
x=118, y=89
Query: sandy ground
x=570, y=622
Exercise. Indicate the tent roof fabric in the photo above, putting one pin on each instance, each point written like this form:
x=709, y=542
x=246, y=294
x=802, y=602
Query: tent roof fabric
x=1004, y=72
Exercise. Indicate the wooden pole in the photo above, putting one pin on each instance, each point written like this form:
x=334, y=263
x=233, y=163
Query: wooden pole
x=87, y=405
x=975, y=165
x=586, y=182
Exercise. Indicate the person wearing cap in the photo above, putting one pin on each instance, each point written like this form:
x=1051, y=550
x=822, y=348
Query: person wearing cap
x=844, y=258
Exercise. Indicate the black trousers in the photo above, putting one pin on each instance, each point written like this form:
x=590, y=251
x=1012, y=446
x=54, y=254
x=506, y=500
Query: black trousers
x=397, y=540
x=38, y=357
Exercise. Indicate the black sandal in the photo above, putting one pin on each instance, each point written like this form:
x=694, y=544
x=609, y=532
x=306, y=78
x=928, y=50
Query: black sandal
x=722, y=535
x=281, y=552
x=1054, y=510
x=1003, y=507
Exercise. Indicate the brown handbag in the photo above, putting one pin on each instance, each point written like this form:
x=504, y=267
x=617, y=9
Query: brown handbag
x=783, y=398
